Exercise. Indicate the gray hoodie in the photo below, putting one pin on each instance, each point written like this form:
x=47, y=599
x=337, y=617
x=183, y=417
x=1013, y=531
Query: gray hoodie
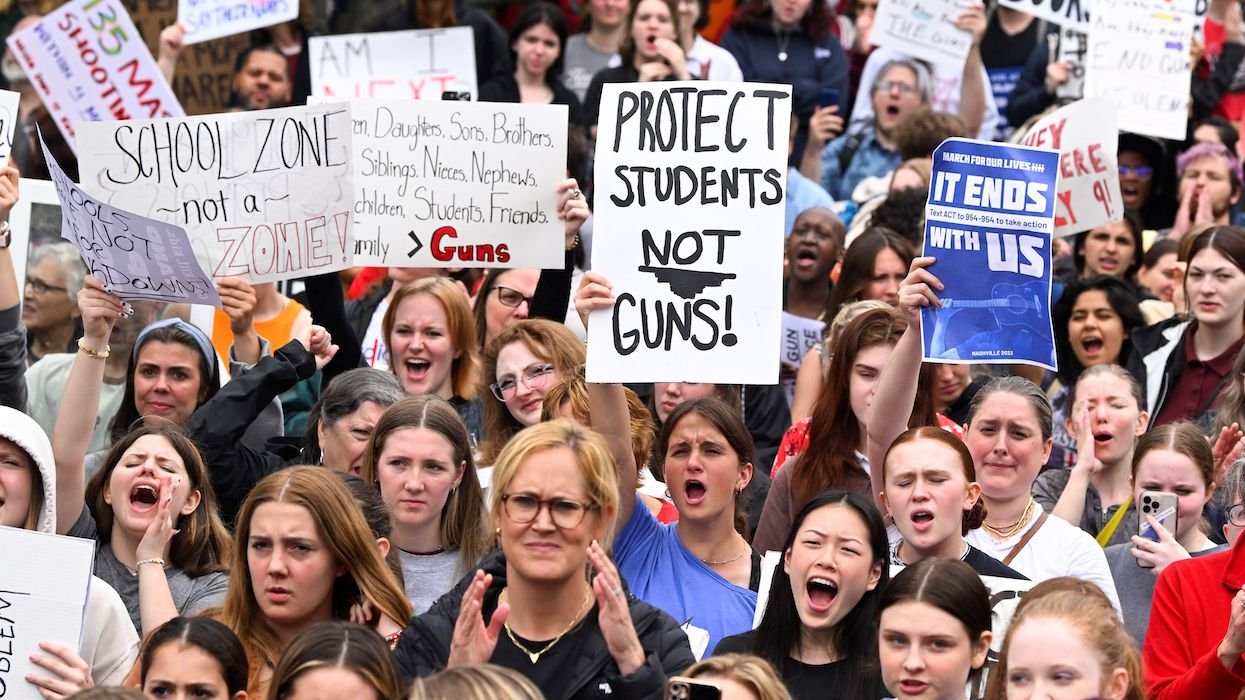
x=109, y=642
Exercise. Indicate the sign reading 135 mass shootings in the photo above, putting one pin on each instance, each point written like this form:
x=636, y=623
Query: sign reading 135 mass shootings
x=989, y=222
x=690, y=182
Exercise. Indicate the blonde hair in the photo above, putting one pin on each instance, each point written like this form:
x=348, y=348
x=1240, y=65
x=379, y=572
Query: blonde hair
x=751, y=671
x=460, y=326
x=592, y=454
x=345, y=534
x=337, y=644
x=476, y=682
x=574, y=391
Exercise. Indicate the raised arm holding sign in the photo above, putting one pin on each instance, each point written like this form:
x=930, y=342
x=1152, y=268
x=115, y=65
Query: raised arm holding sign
x=211, y=19
x=689, y=231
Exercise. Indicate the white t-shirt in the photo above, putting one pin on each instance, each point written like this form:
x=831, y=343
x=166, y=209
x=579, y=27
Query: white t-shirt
x=375, y=353
x=1058, y=549
x=722, y=65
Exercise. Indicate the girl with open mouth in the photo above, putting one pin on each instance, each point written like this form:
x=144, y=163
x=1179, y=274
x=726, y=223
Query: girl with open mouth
x=934, y=630
x=819, y=630
x=934, y=499
x=1008, y=435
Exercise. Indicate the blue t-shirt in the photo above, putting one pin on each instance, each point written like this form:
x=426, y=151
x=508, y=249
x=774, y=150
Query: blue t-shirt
x=662, y=573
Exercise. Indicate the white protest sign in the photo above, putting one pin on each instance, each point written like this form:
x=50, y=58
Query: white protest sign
x=799, y=335
x=35, y=221
x=89, y=64
x=454, y=184
x=690, y=189
x=1139, y=59
x=1073, y=14
x=8, y=121
x=211, y=19
x=135, y=257
x=263, y=195
x=43, y=593
x=1073, y=45
x=922, y=28
x=1005, y=595
x=1085, y=135
x=416, y=63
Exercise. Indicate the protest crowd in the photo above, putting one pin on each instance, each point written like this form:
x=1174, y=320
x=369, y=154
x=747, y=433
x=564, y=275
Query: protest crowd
x=964, y=304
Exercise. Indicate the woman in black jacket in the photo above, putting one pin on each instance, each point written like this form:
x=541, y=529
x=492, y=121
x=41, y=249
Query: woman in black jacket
x=531, y=607
x=537, y=41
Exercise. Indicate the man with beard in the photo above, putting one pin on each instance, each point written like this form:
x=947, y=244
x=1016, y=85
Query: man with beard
x=261, y=79
x=1209, y=186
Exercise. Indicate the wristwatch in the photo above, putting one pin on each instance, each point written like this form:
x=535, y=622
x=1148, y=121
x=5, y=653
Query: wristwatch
x=6, y=235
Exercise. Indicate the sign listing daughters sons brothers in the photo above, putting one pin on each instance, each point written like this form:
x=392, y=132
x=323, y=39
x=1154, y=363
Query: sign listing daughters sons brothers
x=690, y=186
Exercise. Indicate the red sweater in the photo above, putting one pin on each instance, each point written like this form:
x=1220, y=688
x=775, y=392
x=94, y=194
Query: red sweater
x=1188, y=618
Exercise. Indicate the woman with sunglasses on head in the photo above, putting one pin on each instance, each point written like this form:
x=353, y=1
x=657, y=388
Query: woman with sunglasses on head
x=707, y=461
x=551, y=604
x=520, y=364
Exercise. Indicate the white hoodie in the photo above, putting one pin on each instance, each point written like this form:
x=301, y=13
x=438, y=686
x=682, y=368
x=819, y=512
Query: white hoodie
x=109, y=642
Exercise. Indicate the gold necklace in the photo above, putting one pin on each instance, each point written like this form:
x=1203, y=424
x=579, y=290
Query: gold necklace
x=535, y=655
x=1009, y=531
x=733, y=559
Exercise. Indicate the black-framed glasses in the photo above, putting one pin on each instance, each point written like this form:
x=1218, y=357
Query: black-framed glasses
x=534, y=377
x=511, y=297
x=42, y=287
x=523, y=508
x=1236, y=514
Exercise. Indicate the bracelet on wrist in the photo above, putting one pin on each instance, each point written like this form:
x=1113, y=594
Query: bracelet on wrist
x=155, y=560
x=96, y=354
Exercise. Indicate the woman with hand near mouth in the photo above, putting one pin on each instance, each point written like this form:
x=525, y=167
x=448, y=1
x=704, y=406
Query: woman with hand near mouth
x=650, y=52
x=304, y=554
x=431, y=336
x=933, y=497
x=1183, y=365
x=1008, y=435
x=420, y=458
x=934, y=630
x=151, y=506
x=1093, y=321
x=520, y=365
x=819, y=630
x=1108, y=420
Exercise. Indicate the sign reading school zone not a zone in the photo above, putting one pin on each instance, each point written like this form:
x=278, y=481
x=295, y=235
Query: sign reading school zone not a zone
x=690, y=187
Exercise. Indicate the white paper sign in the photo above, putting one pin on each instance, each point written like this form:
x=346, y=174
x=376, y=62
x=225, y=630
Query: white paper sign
x=924, y=29
x=1085, y=135
x=135, y=257
x=413, y=64
x=43, y=593
x=8, y=121
x=211, y=19
x=263, y=195
x=35, y=221
x=1073, y=14
x=799, y=335
x=690, y=188
x=1073, y=46
x=89, y=64
x=458, y=184
x=1139, y=59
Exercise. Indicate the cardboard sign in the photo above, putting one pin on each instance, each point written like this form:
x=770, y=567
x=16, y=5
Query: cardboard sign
x=799, y=335
x=924, y=29
x=135, y=257
x=89, y=64
x=1085, y=135
x=413, y=64
x=458, y=184
x=1139, y=59
x=690, y=189
x=263, y=195
x=211, y=19
x=989, y=220
x=39, y=603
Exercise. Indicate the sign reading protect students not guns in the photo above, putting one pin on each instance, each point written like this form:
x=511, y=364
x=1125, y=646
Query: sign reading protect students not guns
x=690, y=189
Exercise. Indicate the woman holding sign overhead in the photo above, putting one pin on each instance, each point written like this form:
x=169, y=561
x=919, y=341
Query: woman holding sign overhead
x=537, y=41
x=649, y=53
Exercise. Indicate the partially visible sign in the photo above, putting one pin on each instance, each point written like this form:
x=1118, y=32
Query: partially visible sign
x=799, y=335
x=211, y=19
x=1086, y=137
x=415, y=64
x=924, y=29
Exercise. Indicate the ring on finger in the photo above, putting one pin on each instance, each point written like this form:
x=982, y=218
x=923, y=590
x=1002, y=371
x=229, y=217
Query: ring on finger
x=577, y=194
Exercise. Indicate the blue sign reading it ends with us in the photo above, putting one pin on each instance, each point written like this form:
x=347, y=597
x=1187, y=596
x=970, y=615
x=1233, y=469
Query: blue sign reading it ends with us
x=988, y=224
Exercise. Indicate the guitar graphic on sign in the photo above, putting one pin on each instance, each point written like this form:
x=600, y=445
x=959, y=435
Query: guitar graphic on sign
x=1018, y=307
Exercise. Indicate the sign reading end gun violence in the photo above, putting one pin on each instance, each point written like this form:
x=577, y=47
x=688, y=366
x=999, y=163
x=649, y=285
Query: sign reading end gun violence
x=690, y=189
x=988, y=224
x=453, y=184
x=135, y=257
x=88, y=63
x=263, y=195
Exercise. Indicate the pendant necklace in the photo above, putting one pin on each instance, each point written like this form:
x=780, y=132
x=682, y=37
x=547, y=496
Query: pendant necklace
x=535, y=655
x=784, y=38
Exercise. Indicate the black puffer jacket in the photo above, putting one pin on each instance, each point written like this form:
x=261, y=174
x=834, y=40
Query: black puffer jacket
x=425, y=645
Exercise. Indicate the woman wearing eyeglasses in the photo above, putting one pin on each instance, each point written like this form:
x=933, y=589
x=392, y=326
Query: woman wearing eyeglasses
x=532, y=607
x=520, y=364
x=431, y=337
x=504, y=298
